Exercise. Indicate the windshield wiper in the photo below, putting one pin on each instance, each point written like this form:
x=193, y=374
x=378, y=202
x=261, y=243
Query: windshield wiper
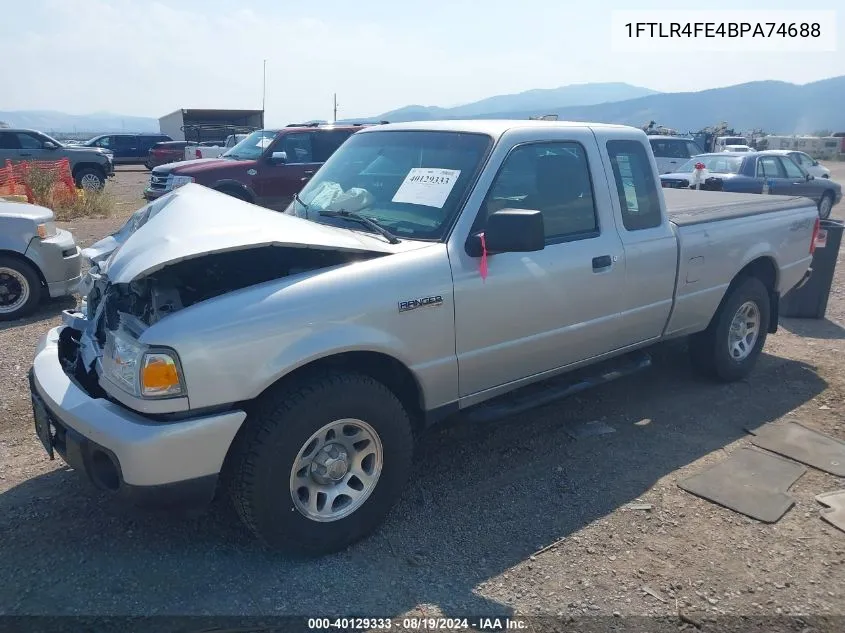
x=372, y=224
x=304, y=206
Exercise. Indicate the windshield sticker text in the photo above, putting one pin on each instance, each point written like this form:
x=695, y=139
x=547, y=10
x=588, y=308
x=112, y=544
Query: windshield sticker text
x=427, y=186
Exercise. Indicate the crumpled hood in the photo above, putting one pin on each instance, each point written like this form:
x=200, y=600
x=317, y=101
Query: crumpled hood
x=195, y=220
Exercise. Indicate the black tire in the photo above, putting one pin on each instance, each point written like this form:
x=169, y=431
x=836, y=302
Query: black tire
x=16, y=272
x=709, y=350
x=281, y=422
x=240, y=194
x=826, y=202
x=86, y=177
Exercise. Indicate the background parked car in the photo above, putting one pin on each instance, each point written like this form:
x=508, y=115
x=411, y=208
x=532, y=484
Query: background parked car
x=266, y=168
x=128, y=149
x=36, y=259
x=90, y=166
x=215, y=149
x=166, y=152
x=769, y=171
x=739, y=149
x=807, y=162
x=671, y=152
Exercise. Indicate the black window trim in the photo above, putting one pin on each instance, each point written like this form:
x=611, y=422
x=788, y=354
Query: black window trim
x=562, y=239
x=661, y=213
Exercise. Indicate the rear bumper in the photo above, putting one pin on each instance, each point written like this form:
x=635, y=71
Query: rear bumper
x=122, y=452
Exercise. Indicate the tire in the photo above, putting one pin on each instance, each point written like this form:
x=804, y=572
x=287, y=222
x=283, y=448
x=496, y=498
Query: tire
x=90, y=178
x=710, y=350
x=281, y=427
x=20, y=288
x=825, y=206
x=236, y=193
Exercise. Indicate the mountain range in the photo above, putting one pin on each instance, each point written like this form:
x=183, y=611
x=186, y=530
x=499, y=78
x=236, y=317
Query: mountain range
x=50, y=122
x=777, y=107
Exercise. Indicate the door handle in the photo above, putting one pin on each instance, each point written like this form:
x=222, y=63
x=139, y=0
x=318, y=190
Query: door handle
x=308, y=172
x=601, y=262
x=800, y=182
x=22, y=154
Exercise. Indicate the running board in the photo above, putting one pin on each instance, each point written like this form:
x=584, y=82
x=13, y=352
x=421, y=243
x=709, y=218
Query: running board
x=548, y=391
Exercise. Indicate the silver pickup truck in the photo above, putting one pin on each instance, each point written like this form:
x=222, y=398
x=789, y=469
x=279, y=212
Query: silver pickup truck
x=427, y=269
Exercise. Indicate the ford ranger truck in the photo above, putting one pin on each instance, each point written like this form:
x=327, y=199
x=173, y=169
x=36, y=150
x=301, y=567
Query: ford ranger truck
x=290, y=359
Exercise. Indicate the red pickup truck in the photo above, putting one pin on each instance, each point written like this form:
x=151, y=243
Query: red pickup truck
x=266, y=168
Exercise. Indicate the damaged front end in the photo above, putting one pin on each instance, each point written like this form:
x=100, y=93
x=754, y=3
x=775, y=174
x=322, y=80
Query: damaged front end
x=99, y=349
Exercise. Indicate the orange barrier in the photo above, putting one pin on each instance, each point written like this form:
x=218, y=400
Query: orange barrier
x=14, y=179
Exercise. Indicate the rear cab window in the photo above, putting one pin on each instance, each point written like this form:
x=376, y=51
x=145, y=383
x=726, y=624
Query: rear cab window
x=635, y=186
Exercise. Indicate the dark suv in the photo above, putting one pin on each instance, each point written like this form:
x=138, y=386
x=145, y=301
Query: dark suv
x=267, y=168
x=128, y=149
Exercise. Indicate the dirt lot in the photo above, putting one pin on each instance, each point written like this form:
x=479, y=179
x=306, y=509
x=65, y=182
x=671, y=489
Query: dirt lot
x=482, y=502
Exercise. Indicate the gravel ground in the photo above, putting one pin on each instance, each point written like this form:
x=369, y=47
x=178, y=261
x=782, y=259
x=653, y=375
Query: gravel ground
x=466, y=536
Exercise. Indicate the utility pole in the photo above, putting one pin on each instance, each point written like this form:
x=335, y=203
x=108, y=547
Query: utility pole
x=334, y=120
x=264, y=88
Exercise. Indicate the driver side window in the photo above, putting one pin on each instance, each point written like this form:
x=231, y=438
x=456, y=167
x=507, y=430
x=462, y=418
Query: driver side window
x=552, y=178
x=29, y=141
x=297, y=147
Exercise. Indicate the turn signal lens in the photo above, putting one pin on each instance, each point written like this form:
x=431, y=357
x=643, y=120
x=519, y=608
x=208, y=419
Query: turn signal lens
x=160, y=376
x=46, y=229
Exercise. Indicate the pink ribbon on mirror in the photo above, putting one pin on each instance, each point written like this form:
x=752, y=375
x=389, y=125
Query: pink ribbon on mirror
x=483, y=267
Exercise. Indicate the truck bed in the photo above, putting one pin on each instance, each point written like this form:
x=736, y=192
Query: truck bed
x=686, y=207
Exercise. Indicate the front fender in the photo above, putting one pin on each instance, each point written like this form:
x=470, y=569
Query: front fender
x=323, y=344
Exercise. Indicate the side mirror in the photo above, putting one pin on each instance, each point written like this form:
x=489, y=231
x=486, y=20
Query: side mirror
x=50, y=145
x=279, y=158
x=511, y=231
x=810, y=177
x=815, y=163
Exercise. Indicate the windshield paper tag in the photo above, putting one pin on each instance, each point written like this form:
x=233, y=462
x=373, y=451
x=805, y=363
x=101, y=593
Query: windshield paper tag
x=426, y=186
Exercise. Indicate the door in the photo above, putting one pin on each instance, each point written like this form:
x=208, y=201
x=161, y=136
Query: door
x=125, y=148
x=651, y=251
x=770, y=176
x=796, y=182
x=540, y=311
x=278, y=179
x=23, y=146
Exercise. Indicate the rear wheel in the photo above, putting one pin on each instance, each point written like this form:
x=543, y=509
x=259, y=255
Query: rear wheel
x=20, y=289
x=825, y=205
x=728, y=349
x=322, y=462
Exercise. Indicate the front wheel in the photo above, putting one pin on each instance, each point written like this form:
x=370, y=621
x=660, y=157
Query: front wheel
x=322, y=463
x=728, y=349
x=825, y=205
x=90, y=178
x=20, y=289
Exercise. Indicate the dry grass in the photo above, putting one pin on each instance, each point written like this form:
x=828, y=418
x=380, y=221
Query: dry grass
x=67, y=204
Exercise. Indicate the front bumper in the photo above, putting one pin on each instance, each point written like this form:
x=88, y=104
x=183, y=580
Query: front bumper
x=59, y=260
x=123, y=452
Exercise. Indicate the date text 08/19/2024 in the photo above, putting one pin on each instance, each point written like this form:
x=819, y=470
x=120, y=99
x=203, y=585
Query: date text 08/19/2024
x=417, y=624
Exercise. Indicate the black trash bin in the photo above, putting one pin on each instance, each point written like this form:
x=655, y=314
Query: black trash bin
x=810, y=300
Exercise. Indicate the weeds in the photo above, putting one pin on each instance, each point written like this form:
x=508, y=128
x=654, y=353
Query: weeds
x=68, y=203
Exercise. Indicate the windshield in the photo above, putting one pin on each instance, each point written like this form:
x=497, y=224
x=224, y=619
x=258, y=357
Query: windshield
x=715, y=164
x=252, y=146
x=411, y=183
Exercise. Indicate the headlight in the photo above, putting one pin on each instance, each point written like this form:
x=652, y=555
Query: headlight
x=179, y=181
x=140, y=371
x=46, y=229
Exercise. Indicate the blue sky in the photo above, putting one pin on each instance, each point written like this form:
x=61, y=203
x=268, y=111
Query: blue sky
x=150, y=57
